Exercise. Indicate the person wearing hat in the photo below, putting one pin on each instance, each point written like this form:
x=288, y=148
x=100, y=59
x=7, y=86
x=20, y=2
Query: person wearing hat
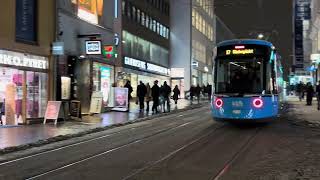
x=155, y=91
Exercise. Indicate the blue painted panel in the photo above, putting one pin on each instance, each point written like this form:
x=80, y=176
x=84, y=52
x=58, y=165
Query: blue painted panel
x=242, y=108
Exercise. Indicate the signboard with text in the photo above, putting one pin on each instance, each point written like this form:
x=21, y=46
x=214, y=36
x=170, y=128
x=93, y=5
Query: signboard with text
x=52, y=111
x=120, y=99
x=93, y=47
x=96, y=102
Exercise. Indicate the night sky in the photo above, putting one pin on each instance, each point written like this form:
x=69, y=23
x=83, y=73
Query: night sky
x=247, y=18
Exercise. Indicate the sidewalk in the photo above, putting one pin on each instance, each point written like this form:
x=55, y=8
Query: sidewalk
x=21, y=135
x=309, y=115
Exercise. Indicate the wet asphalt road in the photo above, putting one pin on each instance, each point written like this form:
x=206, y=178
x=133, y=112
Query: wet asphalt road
x=188, y=145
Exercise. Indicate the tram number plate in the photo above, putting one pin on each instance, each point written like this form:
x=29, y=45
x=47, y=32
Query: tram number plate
x=236, y=111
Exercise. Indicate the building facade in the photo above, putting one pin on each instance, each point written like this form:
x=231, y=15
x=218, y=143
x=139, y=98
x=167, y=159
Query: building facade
x=144, y=52
x=315, y=38
x=223, y=32
x=26, y=81
x=192, y=40
x=85, y=28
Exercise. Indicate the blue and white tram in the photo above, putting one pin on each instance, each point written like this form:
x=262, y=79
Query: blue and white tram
x=247, y=79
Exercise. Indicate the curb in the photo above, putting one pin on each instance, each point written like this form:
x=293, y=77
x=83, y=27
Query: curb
x=91, y=131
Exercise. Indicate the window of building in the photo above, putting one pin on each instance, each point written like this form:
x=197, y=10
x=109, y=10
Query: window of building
x=134, y=13
x=143, y=20
x=147, y=21
x=90, y=10
x=138, y=16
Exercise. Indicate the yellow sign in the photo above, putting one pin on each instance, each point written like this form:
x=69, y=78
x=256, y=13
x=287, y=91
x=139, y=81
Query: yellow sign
x=239, y=51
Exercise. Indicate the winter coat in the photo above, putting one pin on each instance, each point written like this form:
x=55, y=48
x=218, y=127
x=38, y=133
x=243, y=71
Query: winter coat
x=148, y=96
x=141, y=91
x=130, y=90
x=176, y=93
x=155, y=91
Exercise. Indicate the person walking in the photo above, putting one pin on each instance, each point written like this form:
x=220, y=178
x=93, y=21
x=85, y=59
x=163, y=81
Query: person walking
x=166, y=91
x=318, y=95
x=155, y=92
x=176, y=94
x=141, y=93
x=300, y=90
x=209, y=91
x=310, y=93
x=130, y=90
x=148, y=96
x=192, y=92
x=198, y=92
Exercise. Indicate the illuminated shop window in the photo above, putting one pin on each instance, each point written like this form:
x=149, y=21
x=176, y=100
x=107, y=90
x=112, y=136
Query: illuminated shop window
x=89, y=10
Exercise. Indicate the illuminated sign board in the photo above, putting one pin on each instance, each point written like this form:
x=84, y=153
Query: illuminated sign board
x=239, y=51
x=20, y=59
x=93, y=47
x=146, y=66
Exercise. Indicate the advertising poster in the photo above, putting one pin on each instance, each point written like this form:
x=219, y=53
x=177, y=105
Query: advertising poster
x=52, y=111
x=65, y=88
x=105, y=84
x=120, y=99
x=96, y=102
x=10, y=104
x=87, y=10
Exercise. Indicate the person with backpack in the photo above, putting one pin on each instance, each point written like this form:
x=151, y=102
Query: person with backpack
x=141, y=93
x=155, y=92
x=166, y=91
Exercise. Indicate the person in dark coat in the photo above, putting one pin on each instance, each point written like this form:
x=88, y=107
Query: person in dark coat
x=141, y=93
x=300, y=90
x=166, y=96
x=318, y=95
x=176, y=94
x=192, y=93
x=130, y=90
x=155, y=92
x=198, y=92
x=310, y=93
x=209, y=91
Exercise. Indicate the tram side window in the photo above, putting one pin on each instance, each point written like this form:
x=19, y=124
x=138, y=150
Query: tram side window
x=271, y=75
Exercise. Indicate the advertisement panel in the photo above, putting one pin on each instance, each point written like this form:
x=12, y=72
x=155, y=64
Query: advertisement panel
x=120, y=99
x=87, y=10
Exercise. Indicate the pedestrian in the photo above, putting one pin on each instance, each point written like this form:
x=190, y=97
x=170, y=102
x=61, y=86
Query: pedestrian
x=130, y=90
x=192, y=92
x=176, y=94
x=155, y=92
x=141, y=93
x=300, y=90
x=148, y=96
x=197, y=92
x=209, y=91
x=310, y=93
x=318, y=95
x=204, y=90
x=166, y=91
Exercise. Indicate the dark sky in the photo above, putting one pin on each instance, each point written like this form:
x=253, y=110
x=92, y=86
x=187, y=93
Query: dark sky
x=246, y=18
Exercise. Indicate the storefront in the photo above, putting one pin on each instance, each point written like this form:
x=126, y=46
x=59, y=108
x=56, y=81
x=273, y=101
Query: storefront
x=23, y=87
x=137, y=70
x=93, y=75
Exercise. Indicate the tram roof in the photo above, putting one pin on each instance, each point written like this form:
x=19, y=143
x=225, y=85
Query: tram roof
x=245, y=41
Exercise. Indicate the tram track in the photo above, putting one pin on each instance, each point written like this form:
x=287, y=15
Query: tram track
x=108, y=151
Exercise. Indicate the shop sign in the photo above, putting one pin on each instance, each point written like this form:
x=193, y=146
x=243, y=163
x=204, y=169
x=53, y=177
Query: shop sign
x=135, y=63
x=58, y=48
x=146, y=66
x=93, y=47
x=19, y=59
x=156, y=68
x=177, y=72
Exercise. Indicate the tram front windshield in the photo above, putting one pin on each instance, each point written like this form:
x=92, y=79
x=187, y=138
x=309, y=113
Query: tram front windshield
x=239, y=76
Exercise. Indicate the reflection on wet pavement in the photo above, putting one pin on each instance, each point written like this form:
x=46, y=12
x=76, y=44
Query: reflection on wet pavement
x=18, y=135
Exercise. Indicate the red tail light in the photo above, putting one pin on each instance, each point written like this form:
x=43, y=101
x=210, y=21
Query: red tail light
x=257, y=103
x=218, y=103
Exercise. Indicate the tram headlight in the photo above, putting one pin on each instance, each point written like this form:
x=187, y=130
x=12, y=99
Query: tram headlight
x=257, y=103
x=218, y=103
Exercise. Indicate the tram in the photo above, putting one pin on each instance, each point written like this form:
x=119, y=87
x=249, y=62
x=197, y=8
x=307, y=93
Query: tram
x=248, y=79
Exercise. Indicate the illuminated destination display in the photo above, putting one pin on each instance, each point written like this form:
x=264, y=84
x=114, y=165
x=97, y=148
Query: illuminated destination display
x=239, y=51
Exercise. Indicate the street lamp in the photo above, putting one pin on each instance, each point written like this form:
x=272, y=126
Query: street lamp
x=260, y=36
